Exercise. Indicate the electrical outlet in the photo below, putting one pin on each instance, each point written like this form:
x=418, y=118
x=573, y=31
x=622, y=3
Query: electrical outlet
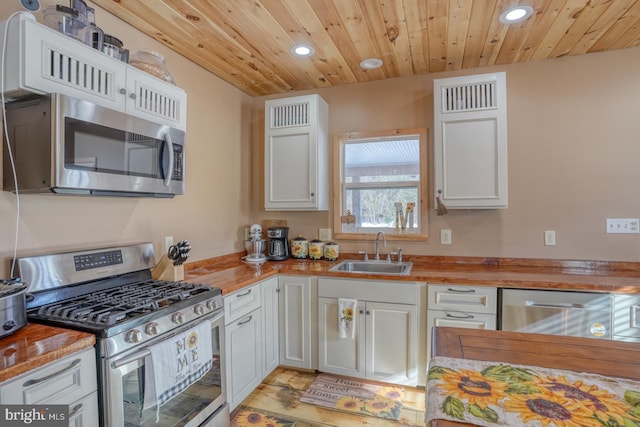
x=324, y=234
x=549, y=238
x=168, y=241
x=445, y=236
x=623, y=225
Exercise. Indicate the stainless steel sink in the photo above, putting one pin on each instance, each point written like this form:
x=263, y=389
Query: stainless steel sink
x=374, y=267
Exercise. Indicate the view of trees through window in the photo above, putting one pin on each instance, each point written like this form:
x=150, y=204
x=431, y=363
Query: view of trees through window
x=381, y=178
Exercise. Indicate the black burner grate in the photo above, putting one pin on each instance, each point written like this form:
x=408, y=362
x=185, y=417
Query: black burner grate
x=115, y=305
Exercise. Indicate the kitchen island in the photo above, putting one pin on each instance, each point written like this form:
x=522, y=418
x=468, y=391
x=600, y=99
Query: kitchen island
x=581, y=355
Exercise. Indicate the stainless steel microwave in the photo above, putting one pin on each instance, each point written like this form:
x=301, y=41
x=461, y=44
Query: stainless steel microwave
x=66, y=145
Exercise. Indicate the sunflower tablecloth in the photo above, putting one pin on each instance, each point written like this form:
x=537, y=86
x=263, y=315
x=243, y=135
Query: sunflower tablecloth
x=498, y=394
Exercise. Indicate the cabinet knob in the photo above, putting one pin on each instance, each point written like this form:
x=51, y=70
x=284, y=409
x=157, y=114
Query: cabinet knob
x=132, y=95
x=313, y=194
x=368, y=312
x=361, y=311
x=123, y=91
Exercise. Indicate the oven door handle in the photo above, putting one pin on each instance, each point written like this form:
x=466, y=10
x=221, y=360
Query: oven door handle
x=116, y=364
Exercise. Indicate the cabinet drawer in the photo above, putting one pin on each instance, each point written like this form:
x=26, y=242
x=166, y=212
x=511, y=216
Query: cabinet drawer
x=241, y=303
x=459, y=319
x=473, y=299
x=61, y=382
x=83, y=412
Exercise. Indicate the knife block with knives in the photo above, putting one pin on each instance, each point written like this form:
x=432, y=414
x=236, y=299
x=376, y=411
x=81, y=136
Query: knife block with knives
x=165, y=270
x=170, y=266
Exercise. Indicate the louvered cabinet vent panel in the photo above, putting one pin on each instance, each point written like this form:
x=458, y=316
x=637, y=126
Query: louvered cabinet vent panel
x=469, y=97
x=77, y=73
x=283, y=116
x=153, y=102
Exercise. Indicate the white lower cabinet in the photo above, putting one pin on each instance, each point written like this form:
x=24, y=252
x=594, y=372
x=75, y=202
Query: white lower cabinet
x=298, y=320
x=386, y=343
x=461, y=306
x=71, y=381
x=243, y=340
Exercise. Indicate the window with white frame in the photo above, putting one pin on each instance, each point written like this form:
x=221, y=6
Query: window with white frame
x=381, y=184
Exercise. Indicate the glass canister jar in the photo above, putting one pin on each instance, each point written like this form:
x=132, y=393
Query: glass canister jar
x=316, y=249
x=331, y=251
x=299, y=247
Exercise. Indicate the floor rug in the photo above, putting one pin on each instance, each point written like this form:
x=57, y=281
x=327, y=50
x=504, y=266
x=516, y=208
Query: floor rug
x=351, y=395
x=251, y=417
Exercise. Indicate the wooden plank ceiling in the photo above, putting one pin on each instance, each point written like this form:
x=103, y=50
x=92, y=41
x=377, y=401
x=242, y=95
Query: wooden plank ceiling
x=247, y=42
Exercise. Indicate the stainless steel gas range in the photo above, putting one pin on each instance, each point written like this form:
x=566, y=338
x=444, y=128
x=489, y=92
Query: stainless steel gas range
x=149, y=333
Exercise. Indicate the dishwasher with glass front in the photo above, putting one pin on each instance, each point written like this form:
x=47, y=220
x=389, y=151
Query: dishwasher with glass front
x=579, y=314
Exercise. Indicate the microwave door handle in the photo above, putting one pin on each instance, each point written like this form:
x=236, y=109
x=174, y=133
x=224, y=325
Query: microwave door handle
x=169, y=171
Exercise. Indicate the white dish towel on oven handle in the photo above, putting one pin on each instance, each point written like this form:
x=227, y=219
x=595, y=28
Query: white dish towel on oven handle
x=347, y=317
x=175, y=364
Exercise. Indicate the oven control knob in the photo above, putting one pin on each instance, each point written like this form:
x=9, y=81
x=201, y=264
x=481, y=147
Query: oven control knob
x=151, y=328
x=198, y=309
x=133, y=336
x=177, y=318
x=211, y=304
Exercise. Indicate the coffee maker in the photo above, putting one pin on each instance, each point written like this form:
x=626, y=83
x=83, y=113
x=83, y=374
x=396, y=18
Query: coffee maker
x=278, y=243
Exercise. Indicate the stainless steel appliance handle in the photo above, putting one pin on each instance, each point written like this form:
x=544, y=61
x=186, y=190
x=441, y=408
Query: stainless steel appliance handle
x=132, y=358
x=169, y=172
x=55, y=374
x=146, y=352
x=566, y=305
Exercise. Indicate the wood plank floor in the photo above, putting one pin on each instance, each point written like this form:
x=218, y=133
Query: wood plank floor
x=280, y=394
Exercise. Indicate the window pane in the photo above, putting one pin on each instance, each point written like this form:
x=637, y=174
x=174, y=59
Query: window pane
x=376, y=207
x=382, y=161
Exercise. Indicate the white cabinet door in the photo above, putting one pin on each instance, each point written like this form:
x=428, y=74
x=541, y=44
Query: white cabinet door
x=270, y=323
x=341, y=356
x=296, y=154
x=243, y=356
x=470, y=141
x=155, y=100
x=391, y=342
x=298, y=321
x=41, y=60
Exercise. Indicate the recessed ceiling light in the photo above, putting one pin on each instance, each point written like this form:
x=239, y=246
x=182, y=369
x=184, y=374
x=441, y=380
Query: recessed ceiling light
x=302, y=50
x=516, y=14
x=371, y=63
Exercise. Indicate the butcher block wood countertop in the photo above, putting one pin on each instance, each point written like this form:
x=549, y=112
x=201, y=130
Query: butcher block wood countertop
x=230, y=274
x=35, y=345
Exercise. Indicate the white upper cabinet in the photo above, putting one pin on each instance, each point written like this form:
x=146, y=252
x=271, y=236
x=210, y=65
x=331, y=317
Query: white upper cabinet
x=41, y=60
x=470, y=144
x=296, y=154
